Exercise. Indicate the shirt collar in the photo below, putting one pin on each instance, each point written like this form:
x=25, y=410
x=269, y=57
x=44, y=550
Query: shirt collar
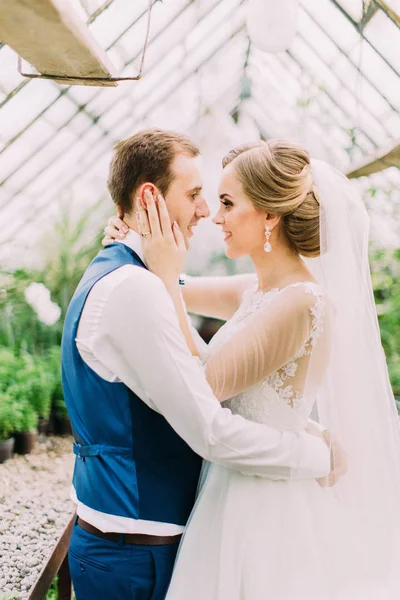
x=133, y=241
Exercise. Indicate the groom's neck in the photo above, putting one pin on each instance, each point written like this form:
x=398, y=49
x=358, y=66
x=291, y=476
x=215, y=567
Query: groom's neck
x=130, y=220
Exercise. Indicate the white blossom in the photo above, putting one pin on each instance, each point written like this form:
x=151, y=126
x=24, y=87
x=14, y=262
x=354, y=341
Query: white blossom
x=38, y=296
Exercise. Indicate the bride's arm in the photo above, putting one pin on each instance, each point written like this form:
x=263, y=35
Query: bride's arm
x=174, y=292
x=216, y=297
x=265, y=341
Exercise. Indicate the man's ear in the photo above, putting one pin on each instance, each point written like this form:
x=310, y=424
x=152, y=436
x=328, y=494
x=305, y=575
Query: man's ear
x=153, y=189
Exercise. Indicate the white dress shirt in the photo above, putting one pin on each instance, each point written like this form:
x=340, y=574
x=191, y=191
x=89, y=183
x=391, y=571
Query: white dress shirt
x=129, y=332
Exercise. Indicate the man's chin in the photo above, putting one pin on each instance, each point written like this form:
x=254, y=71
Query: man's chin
x=188, y=236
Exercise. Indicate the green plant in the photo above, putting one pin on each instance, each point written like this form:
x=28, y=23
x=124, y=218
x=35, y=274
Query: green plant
x=10, y=365
x=59, y=407
x=40, y=387
x=386, y=281
x=27, y=377
x=28, y=419
x=10, y=416
x=69, y=253
x=53, y=359
x=28, y=382
x=20, y=328
x=52, y=594
x=66, y=252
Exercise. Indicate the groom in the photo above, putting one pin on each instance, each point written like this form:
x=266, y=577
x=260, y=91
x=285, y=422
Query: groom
x=142, y=412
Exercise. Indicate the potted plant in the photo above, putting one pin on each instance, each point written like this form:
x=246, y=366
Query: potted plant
x=386, y=279
x=8, y=423
x=60, y=418
x=39, y=390
x=62, y=424
x=25, y=433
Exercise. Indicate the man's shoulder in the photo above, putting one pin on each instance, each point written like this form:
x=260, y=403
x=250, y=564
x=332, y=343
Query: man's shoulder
x=126, y=282
x=128, y=276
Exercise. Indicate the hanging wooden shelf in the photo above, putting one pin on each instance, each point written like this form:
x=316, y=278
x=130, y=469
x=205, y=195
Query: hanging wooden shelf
x=51, y=36
x=390, y=159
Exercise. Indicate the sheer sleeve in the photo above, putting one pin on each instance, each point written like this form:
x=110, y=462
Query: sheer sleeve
x=216, y=297
x=271, y=338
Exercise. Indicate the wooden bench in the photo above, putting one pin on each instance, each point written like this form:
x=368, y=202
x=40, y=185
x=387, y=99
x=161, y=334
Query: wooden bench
x=57, y=563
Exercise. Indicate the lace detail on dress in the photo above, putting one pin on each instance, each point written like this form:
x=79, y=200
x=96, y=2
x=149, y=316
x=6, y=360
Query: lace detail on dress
x=288, y=381
x=277, y=380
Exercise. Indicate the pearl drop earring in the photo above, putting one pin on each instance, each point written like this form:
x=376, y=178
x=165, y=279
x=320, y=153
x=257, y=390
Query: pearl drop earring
x=267, y=245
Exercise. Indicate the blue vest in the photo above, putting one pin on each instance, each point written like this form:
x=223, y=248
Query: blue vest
x=129, y=461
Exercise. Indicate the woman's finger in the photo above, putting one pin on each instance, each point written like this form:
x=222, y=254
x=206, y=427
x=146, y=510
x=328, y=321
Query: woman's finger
x=114, y=233
x=118, y=224
x=106, y=240
x=142, y=219
x=152, y=213
x=165, y=221
x=178, y=235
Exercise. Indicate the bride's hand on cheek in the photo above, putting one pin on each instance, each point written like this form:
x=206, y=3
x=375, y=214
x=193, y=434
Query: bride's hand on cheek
x=163, y=243
x=116, y=229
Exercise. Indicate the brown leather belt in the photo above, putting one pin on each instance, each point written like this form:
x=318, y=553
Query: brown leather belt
x=131, y=538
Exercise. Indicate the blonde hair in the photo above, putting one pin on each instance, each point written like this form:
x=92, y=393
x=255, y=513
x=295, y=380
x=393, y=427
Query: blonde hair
x=276, y=177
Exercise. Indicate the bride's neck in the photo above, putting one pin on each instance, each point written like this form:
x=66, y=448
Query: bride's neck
x=279, y=268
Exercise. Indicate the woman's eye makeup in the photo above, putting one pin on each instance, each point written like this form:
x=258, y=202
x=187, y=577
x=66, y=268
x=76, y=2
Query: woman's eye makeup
x=226, y=202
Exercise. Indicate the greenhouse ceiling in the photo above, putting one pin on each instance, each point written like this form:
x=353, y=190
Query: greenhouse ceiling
x=336, y=89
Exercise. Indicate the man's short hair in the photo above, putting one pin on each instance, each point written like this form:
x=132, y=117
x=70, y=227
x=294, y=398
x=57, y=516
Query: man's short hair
x=145, y=156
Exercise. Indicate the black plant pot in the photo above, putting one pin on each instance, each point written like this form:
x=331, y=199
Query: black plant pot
x=6, y=449
x=62, y=425
x=44, y=426
x=24, y=442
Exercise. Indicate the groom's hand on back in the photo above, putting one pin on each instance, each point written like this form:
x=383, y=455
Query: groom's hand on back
x=338, y=456
x=338, y=462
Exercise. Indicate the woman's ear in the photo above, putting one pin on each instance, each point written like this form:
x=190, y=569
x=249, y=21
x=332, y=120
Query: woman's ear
x=272, y=220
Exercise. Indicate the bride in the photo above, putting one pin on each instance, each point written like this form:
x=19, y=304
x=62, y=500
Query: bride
x=301, y=339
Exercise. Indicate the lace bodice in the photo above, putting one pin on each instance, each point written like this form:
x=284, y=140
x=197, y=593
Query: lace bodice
x=279, y=399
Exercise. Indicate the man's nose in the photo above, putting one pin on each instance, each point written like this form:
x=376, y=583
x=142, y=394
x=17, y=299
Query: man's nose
x=202, y=210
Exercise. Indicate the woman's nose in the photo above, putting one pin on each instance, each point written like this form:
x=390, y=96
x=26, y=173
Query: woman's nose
x=218, y=219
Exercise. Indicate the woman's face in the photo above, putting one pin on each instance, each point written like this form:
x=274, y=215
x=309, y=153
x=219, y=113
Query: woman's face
x=243, y=225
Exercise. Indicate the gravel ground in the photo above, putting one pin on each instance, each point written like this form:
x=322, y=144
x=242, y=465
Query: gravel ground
x=34, y=509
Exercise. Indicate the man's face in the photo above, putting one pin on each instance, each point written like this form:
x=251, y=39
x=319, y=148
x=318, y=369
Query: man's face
x=184, y=199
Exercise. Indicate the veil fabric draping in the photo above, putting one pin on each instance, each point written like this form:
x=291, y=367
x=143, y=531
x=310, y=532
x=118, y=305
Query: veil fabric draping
x=305, y=349
x=356, y=401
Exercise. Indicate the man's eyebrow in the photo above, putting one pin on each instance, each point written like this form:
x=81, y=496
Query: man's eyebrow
x=198, y=188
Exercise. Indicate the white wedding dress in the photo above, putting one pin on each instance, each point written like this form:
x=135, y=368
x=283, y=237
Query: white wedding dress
x=251, y=538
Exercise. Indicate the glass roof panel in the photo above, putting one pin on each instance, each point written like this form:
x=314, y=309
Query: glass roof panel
x=353, y=7
x=335, y=89
x=385, y=37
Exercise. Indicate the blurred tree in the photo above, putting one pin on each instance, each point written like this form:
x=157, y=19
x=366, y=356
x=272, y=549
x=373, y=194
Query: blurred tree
x=386, y=281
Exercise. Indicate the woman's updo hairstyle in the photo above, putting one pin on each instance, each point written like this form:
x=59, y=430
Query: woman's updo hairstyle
x=276, y=177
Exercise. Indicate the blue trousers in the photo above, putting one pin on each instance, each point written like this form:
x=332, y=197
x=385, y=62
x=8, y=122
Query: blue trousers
x=104, y=570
